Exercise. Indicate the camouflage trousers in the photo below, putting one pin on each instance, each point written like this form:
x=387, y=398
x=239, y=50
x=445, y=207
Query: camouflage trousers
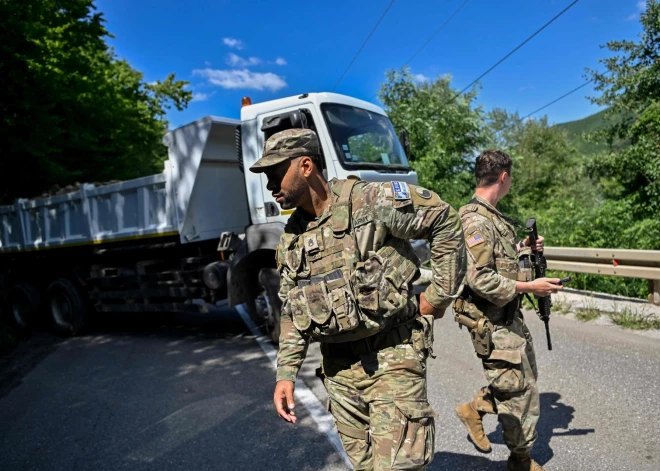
x=380, y=407
x=512, y=393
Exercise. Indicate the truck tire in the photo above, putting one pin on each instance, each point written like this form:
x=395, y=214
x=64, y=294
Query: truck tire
x=65, y=307
x=22, y=303
x=269, y=282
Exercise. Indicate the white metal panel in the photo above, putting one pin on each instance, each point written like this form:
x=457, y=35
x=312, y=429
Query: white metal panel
x=256, y=110
x=123, y=210
x=11, y=228
x=207, y=186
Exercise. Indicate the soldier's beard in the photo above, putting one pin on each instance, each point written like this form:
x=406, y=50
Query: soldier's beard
x=293, y=198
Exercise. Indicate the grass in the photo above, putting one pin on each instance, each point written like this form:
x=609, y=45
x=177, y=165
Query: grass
x=630, y=318
x=560, y=305
x=589, y=311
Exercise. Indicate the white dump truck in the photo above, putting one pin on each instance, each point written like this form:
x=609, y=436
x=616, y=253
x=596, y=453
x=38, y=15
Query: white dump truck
x=203, y=230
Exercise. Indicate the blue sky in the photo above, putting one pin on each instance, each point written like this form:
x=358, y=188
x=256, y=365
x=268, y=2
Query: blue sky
x=271, y=49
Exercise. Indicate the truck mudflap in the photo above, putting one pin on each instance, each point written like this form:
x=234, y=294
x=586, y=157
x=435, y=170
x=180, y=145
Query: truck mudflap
x=257, y=251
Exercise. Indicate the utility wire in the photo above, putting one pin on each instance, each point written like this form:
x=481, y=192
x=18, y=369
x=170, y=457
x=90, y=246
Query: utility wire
x=363, y=44
x=556, y=100
x=547, y=105
x=436, y=32
x=430, y=38
x=513, y=51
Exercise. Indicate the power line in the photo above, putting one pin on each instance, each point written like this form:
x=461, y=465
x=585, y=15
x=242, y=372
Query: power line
x=547, y=105
x=558, y=99
x=514, y=50
x=363, y=44
x=436, y=32
x=430, y=38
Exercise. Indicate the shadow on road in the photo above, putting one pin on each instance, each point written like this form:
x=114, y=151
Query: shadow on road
x=447, y=460
x=554, y=415
x=156, y=393
x=17, y=362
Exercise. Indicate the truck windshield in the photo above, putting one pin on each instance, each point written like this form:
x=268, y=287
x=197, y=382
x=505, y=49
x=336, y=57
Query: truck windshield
x=363, y=139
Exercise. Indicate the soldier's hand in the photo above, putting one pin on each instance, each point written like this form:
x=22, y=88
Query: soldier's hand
x=545, y=286
x=539, y=243
x=283, y=399
x=427, y=309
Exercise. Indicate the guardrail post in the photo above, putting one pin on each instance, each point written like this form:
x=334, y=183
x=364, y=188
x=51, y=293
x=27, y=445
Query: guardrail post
x=654, y=292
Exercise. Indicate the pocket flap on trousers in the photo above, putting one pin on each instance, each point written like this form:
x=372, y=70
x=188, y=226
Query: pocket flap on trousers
x=511, y=356
x=414, y=409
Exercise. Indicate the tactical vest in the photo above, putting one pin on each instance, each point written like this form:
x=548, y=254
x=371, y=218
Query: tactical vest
x=471, y=303
x=337, y=296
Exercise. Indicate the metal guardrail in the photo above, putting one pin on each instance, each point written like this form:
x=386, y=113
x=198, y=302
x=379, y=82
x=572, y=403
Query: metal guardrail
x=643, y=264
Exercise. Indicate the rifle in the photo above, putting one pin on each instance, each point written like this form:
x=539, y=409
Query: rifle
x=539, y=263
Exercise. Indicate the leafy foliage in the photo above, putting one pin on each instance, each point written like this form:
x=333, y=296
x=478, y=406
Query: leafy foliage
x=71, y=110
x=445, y=132
x=631, y=88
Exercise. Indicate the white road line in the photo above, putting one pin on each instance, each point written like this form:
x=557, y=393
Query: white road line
x=304, y=395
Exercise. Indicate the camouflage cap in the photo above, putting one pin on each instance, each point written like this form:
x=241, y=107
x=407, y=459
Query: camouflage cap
x=287, y=144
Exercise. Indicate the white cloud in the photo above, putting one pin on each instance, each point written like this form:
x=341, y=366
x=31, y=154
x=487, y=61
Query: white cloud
x=524, y=88
x=420, y=78
x=234, y=43
x=207, y=63
x=641, y=6
x=238, y=61
x=199, y=96
x=242, y=79
x=280, y=61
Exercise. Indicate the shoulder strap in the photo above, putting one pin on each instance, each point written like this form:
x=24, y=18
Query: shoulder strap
x=486, y=211
x=341, y=209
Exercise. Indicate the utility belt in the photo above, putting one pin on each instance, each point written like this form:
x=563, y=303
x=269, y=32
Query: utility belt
x=398, y=335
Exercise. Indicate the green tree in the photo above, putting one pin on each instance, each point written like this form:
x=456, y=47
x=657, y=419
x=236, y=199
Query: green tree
x=630, y=86
x=547, y=167
x=71, y=110
x=445, y=131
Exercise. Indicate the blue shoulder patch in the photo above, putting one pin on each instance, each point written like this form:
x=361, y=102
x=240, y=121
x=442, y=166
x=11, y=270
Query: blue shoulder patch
x=401, y=191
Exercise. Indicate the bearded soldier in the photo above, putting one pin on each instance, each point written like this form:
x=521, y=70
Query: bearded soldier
x=491, y=305
x=347, y=269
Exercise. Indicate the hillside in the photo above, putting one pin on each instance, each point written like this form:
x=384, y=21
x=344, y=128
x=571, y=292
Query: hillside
x=575, y=129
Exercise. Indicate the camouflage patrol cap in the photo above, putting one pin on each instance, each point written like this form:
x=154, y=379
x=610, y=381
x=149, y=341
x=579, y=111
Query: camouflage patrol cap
x=287, y=144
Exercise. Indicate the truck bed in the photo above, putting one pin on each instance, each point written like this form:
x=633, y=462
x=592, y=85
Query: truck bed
x=199, y=195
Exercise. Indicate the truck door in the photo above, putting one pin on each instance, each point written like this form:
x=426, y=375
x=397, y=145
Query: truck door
x=269, y=124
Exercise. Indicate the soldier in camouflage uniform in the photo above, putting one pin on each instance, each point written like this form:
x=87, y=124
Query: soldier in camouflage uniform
x=493, y=286
x=347, y=269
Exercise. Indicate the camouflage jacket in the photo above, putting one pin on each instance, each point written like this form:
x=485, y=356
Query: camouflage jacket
x=379, y=218
x=492, y=256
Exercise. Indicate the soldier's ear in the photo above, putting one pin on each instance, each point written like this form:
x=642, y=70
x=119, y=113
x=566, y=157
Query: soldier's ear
x=307, y=166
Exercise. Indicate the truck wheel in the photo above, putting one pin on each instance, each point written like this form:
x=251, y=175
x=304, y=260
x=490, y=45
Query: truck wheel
x=23, y=305
x=66, y=307
x=269, y=282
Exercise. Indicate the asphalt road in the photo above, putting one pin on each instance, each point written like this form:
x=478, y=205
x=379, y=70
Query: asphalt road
x=195, y=393
x=179, y=394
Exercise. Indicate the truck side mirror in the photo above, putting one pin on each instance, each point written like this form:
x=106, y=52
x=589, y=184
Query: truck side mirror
x=404, y=139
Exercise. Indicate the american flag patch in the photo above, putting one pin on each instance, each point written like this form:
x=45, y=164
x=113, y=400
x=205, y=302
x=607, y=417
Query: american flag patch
x=476, y=239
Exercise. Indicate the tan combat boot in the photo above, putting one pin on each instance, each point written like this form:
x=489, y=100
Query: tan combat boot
x=471, y=418
x=522, y=462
